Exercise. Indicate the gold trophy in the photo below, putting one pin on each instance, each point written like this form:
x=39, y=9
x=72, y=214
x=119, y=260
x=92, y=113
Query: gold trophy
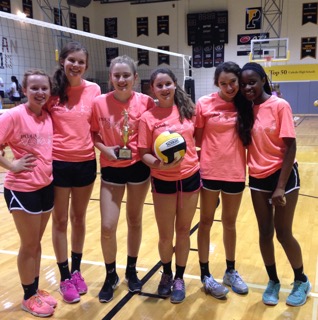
x=125, y=153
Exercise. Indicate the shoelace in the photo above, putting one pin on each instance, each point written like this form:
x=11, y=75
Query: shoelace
x=178, y=284
x=166, y=279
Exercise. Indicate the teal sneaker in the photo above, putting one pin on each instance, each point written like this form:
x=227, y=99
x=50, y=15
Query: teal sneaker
x=270, y=295
x=234, y=280
x=299, y=294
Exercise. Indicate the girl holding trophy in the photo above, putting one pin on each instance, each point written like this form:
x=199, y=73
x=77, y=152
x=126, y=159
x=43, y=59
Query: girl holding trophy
x=115, y=121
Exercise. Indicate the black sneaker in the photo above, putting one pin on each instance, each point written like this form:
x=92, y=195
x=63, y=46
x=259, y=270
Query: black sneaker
x=106, y=294
x=166, y=282
x=134, y=284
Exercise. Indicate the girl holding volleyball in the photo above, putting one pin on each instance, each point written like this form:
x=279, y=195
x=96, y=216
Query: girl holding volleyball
x=28, y=188
x=274, y=181
x=115, y=121
x=175, y=186
x=74, y=163
x=223, y=130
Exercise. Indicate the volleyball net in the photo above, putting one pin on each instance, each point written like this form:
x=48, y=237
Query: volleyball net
x=29, y=43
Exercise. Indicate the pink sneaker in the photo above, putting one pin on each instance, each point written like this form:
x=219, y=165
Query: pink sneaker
x=37, y=307
x=46, y=297
x=69, y=292
x=79, y=282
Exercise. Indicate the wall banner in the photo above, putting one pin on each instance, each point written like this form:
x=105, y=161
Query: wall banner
x=308, y=47
x=310, y=12
x=143, y=57
x=253, y=18
x=162, y=25
x=297, y=72
x=142, y=26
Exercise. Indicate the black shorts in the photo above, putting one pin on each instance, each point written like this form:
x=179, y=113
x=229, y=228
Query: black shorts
x=34, y=202
x=15, y=99
x=74, y=174
x=225, y=186
x=2, y=94
x=137, y=173
x=190, y=184
x=269, y=184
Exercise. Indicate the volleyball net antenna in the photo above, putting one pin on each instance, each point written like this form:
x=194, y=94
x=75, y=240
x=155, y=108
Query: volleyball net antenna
x=28, y=43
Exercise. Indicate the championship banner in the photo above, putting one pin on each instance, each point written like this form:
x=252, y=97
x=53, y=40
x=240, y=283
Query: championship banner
x=218, y=54
x=308, y=47
x=86, y=26
x=162, y=25
x=73, y=20
x=110, y=27
x=142, y=26
x=163, y=58
x=197, y=56
x=208, y=56
x=5, y=6
x=299, y=72
x=310, y=12
x=27, y=8
x=111, y=53
x=143, y=57
x=253, y=18
x=57, y=16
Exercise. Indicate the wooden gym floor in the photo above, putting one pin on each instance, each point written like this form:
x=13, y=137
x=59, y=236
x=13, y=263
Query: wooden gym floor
x=198, y=305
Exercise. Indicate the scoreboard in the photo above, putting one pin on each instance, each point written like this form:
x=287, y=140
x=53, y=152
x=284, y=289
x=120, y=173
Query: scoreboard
x=207, y=28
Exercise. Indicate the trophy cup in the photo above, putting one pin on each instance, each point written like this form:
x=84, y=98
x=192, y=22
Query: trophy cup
x=125, y=153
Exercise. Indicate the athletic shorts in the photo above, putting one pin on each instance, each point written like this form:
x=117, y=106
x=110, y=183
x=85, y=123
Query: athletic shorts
x=15, y=99
x=137, y=173
x=190, y=184
x=74, y=174
x=225, y=186
x=34, y=202
x=269, y=184
x=2, y=94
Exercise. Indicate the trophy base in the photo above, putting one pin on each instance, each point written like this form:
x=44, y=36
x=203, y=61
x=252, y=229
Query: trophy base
x=124, y=154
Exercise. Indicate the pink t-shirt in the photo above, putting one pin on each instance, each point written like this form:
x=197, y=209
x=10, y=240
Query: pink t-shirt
x=273, y=121
x=158, y=120
x=223, y=156
x=26, y=133
x=108, y=119
x=72, y=140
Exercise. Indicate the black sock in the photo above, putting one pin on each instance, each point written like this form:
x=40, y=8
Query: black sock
x=179, y=272
x=131, y=265
x=29, y=291
x=299, y=274
x=167, y=268
x=111, y=271
x=76, y=261
x=36, y=283
x=230, y=265
x=204, y=267
x=64, y=270
x=272, y=273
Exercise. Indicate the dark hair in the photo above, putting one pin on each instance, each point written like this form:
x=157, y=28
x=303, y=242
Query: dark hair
x=245, y=117
x=261, y=72
x=32, y=72
x=183, y=102
x=15, y=80
x=60, y=82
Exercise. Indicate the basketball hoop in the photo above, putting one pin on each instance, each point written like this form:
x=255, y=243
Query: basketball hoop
x=268, y=61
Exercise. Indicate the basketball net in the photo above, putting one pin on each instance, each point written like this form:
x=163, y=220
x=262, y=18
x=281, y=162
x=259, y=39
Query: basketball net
x=268, y=61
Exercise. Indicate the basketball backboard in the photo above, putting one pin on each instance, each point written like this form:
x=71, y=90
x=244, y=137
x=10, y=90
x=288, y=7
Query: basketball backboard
x=269, y=50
